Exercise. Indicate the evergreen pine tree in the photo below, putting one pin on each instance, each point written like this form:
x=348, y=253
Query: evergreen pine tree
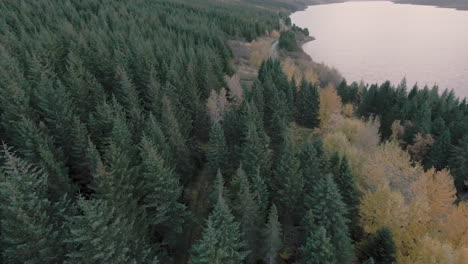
x=381, y=247
x=254, y=153
x=329, y=211
x=176, y=140
x=37, y=147
x=28, y=234
x=154, y=132
x=307, y=105
x=272, y=238
x=260, y=192
x=422, y=119
x=318, y=144
x=221, y=241
x=334, y=164
x=246, y=210
x=161, y=192
x=101, y=235
x=438, y=126
x=217, y=153
x=440, y=151
x=348, y=190
x=459, y=165
x=310, y=165
x=318, y=249
x=217, y=189
x=288, y=181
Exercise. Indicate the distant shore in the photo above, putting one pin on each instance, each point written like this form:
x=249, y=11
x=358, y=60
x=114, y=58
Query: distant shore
x=455, y=4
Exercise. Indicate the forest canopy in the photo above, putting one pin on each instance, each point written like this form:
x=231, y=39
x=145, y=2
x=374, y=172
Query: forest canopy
x=129, y=137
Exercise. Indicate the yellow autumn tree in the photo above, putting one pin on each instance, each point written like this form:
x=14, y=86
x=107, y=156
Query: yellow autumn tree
x=348, y=110
x=330, y=106
x=299, y=70
x=431, y=251
x=455, y=227
x=390, y=163
x=438, y=189
x=258, y=52
x=382, y=208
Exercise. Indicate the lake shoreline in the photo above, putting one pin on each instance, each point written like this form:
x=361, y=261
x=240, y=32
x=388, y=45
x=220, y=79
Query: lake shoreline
x=358, y=65
x=454, y=4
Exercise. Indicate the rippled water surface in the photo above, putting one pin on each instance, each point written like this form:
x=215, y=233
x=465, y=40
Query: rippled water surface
x=378, y=41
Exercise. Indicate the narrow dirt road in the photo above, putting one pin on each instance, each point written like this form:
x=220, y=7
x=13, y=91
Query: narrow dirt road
x=273, y=53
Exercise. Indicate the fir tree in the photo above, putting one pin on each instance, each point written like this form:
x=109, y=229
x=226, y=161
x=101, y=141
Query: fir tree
x=329, y=211
x=176, y=140
x=246, y=210
x=221, y=241
x=217, y=153
x=28, y=234
x=318, y=249
x=459, y=165
x=307, y=105
x=37, y=147
x=272, y=238
x=441, y=150
x=348, y=190
x=254, y=152
x=218, y=189
x=260, y=192
x=288, y=181
x=161, y=192
x=102, y=235
x=381, y=247
x=334, y=164
x=310, y=165
x=318, y=144
x=423, y=119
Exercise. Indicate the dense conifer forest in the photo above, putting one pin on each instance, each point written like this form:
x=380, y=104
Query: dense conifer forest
x=127, y=137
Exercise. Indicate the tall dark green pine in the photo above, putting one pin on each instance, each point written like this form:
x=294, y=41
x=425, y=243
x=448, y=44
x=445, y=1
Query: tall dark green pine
x=161, y=193
x=221, y=241
x=272, y=238
x=307, y=105
x=57, y=110
x=37, y=147
x=28, y=234
x=217, y=153
x=85, y=90
x=247, y=212
x=440, y=151
x=80, y=167
x=176, y=140
x=254, y=153
x=260, y=191
x=348, y=190
x=101, y=235
x=329, y=211
x=458, y=163
x=422, y=119
x=310, y=165
x=317, y=249
x=334, y=163
x=380, y=247
x=323, y=162
x=127, y=95
x=217, y=189
x=154, y=132
x=288, y=182
x=438, y=126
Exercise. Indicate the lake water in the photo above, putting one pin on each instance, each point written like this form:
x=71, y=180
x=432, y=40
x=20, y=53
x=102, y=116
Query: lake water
x=379, y=41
